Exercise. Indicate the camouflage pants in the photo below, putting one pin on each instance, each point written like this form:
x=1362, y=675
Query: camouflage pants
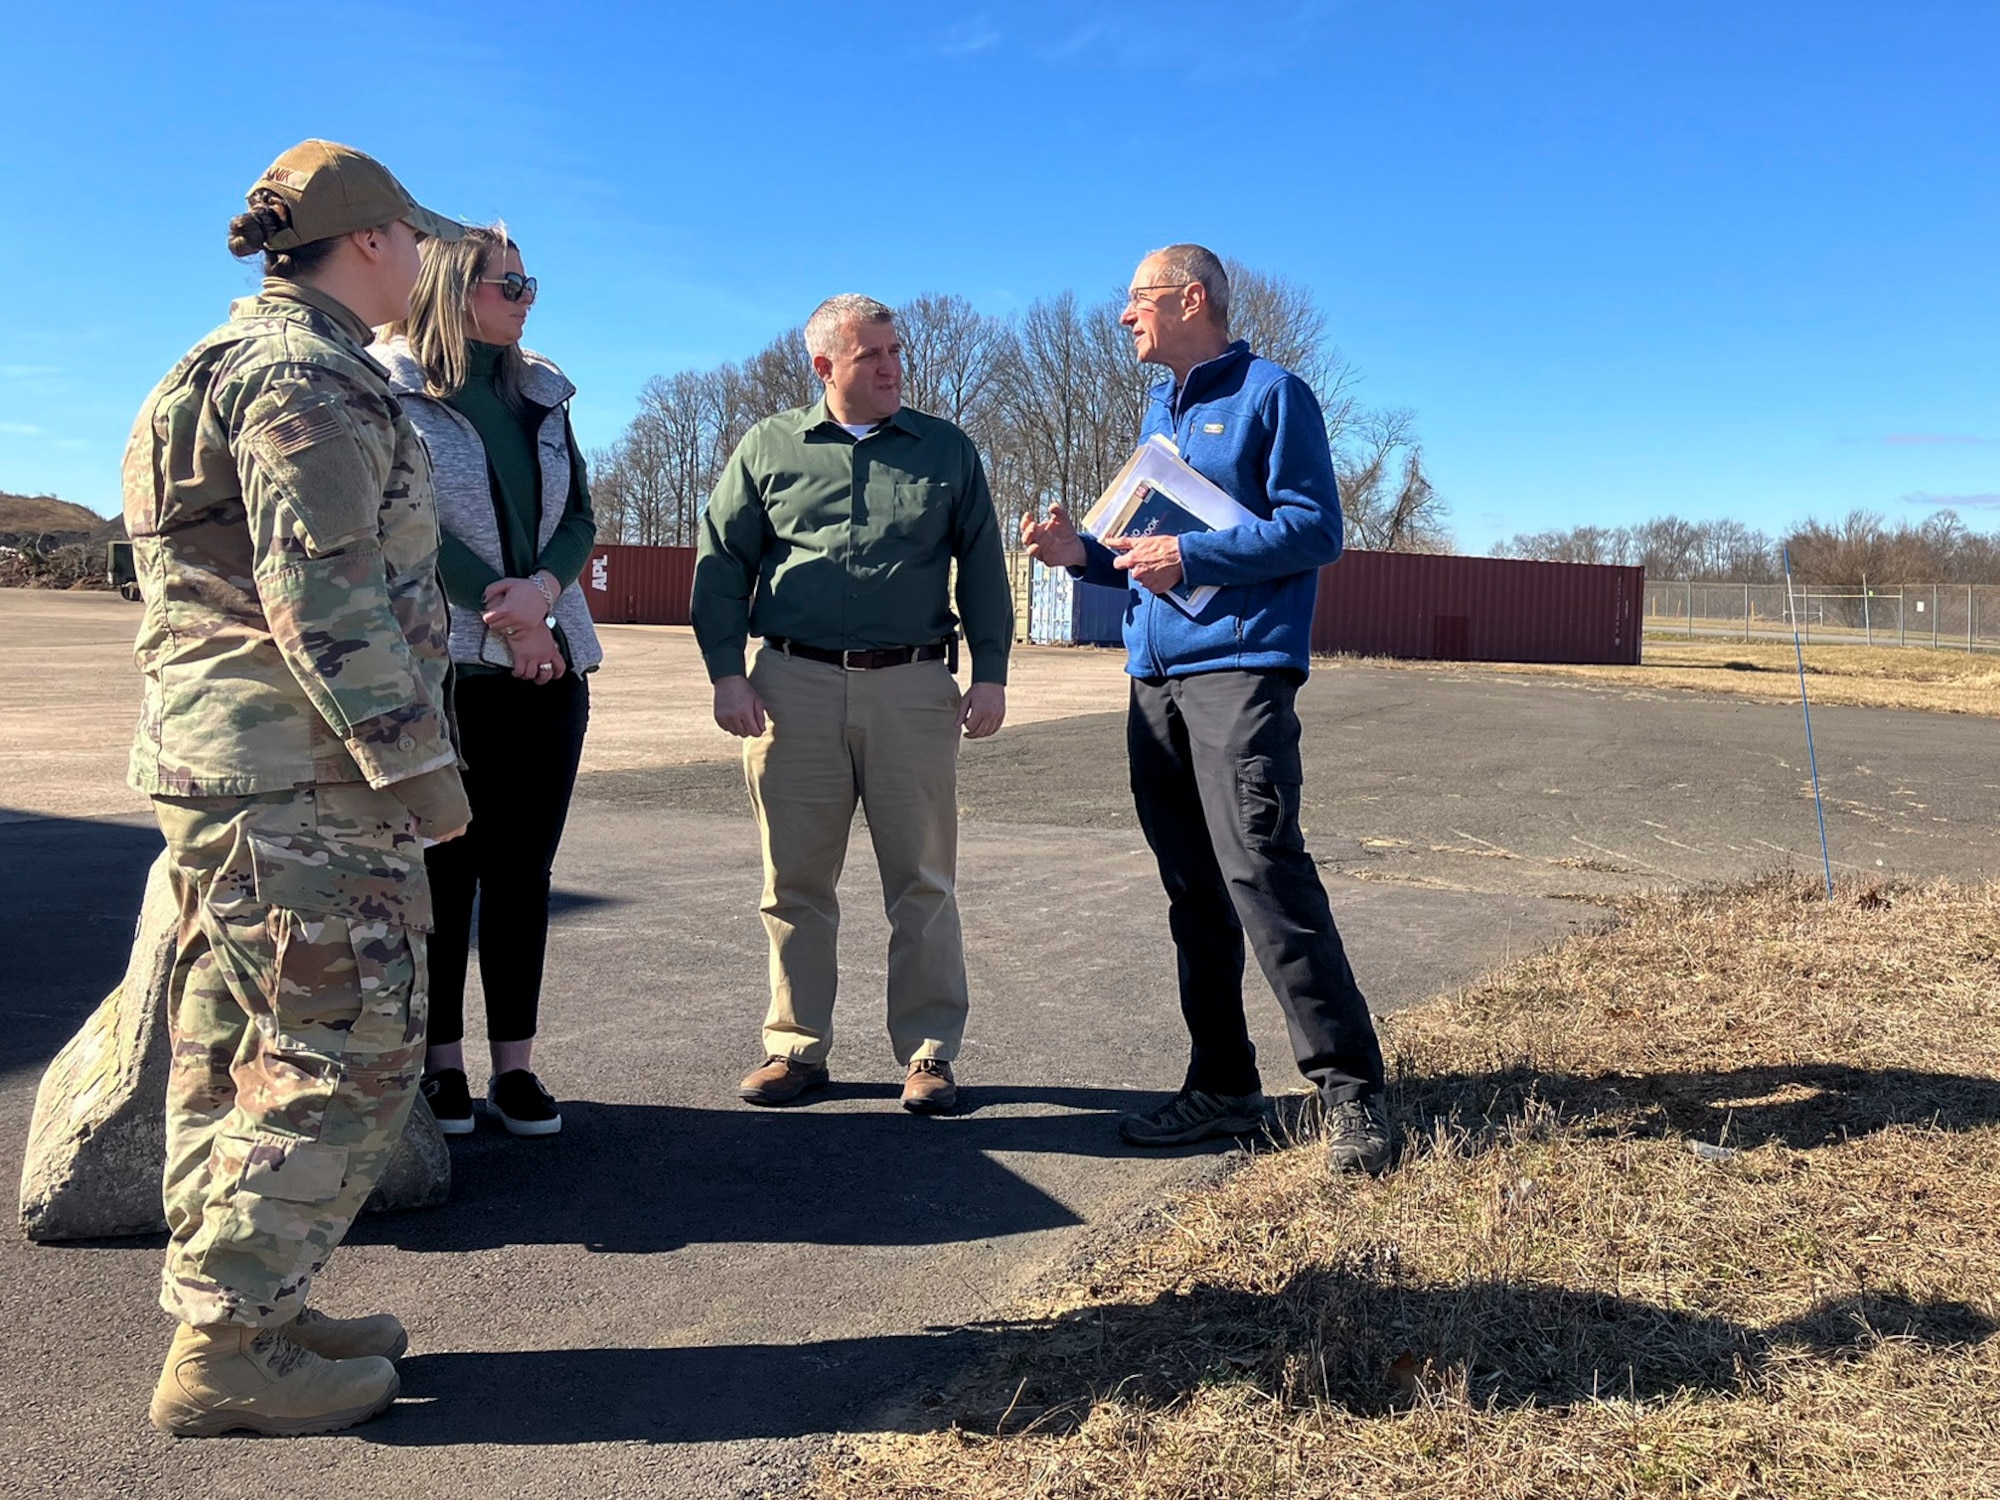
x=296, y=1015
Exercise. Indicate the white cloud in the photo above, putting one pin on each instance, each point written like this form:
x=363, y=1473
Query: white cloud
x=22, y=429
x=1952, y=502
x=969, y=37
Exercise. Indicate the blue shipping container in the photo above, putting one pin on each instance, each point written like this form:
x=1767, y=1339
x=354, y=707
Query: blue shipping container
x=1063, y=612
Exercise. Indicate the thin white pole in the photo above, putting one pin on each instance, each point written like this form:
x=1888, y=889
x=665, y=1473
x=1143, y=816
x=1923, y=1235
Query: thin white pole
x=1812, y=760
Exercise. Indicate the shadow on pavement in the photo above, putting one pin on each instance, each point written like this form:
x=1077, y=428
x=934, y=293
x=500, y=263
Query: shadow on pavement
x=69, y=895
x=637, y=1179
x=689, y=1395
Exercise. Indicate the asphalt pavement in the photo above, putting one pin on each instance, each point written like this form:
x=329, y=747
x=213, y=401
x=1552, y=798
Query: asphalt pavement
x=682, y=1296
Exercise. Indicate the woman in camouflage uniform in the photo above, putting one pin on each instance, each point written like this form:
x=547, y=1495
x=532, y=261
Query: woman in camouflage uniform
x=295, y=744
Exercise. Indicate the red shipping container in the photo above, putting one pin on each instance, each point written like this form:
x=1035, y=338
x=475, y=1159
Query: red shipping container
x=1425, y=608
x=639, y=585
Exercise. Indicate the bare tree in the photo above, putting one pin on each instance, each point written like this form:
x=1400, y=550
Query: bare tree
x=1117, y=391
x=1281, y=320
x=1387, y=498
x=1845, y=553
x=779, y=376
x=1581, y=544
x=610, y=498
x=952, y=355
x=1040, y=394
x=1054, y=399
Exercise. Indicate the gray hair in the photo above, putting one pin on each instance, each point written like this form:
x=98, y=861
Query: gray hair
x=824, y=327
x=1190, y=263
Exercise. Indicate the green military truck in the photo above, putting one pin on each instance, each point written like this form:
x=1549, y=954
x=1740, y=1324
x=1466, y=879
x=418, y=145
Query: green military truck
x=119, y=571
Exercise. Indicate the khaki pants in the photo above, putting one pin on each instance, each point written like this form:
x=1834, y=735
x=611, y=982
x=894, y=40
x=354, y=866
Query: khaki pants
x=296, y=1017
x=888, y=738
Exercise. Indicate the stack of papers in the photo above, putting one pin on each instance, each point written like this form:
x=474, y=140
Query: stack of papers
x=1157, y=493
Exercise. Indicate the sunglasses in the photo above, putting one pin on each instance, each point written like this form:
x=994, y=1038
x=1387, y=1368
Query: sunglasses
x=513, y=286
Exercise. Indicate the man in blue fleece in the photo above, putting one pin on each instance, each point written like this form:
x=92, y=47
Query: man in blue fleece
x=1212, y=729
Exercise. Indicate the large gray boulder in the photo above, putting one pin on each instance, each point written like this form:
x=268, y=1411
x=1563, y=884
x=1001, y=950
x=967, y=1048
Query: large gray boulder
x=98, y=1143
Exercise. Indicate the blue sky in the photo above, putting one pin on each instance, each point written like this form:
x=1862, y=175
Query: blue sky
x=1725, y=259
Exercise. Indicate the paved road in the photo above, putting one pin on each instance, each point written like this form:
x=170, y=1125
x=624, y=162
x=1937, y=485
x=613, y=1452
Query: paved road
x=681, y=1296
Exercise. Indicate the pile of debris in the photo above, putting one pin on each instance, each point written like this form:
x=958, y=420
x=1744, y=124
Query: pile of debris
x=52, y=560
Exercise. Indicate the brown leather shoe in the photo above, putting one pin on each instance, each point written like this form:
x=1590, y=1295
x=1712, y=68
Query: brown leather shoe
x=930, y=1089
x=782, y=1080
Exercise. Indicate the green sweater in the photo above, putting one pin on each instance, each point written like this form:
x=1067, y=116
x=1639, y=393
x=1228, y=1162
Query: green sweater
x=840, y=544
x=509, y=438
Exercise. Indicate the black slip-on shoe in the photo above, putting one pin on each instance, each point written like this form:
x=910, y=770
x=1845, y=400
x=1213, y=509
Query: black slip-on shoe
x=450, y=1100
x=523, y=1105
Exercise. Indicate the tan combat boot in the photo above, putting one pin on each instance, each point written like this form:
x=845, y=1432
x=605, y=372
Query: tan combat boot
x=229, y=1378
x=348, y=1338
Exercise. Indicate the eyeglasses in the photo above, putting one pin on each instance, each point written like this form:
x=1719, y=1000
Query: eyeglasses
x=1132, y=297
x=513, y=286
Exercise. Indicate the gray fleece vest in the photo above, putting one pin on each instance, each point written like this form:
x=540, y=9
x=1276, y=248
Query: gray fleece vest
x=465, y=494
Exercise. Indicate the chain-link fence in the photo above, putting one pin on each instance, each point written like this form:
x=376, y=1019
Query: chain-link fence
x=1951, y=616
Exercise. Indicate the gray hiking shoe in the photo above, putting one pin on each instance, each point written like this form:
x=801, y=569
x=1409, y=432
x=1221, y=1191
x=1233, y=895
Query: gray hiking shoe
x=1358, y=1137
x=1196, y=1115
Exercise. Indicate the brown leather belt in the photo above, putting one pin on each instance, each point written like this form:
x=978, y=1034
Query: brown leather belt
x=863, y=661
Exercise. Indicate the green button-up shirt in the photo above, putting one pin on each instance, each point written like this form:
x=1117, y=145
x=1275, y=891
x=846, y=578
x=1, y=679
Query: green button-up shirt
x=847, y=544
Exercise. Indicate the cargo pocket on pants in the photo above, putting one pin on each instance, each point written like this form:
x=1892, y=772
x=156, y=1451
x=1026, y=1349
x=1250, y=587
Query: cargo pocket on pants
x=351, y=923
x=1267, y=804
x=284, y=1167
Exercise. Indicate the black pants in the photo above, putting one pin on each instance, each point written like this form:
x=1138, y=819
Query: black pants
x=521, y=743
x=1216, y=775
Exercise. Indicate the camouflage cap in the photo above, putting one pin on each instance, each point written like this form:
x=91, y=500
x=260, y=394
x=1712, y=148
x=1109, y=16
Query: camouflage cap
x=333, y=189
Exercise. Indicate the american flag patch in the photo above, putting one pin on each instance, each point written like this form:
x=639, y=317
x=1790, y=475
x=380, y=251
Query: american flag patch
x=301, y=430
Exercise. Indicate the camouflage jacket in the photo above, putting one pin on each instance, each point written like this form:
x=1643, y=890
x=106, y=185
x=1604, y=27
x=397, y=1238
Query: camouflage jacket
x=285, y=538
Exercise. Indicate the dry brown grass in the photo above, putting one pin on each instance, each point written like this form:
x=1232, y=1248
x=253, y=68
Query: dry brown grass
x=1955, y=682
x=1556, y=1293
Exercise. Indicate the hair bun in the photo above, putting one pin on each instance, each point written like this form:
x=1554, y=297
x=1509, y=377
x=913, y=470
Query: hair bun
x=247, y=234
x=268, y=217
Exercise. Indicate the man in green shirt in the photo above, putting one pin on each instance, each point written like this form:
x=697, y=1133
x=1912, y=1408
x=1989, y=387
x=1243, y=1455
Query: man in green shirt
x=832, y=535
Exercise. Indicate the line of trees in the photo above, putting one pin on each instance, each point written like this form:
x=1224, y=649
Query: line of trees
x=1938, y=549
x=1053, y=398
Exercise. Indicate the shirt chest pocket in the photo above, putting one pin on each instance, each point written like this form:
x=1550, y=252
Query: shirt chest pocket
x=915, y=516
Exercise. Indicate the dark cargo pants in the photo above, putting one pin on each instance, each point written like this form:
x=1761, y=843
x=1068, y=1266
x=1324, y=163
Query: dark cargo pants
x=1216, y=776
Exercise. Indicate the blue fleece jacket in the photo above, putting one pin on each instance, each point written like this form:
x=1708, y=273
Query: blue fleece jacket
x=1255, y=429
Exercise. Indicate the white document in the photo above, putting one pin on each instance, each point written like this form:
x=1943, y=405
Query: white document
x=1157, y=493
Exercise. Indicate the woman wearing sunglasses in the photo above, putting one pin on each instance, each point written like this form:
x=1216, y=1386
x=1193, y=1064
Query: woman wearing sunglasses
x=514, y=509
